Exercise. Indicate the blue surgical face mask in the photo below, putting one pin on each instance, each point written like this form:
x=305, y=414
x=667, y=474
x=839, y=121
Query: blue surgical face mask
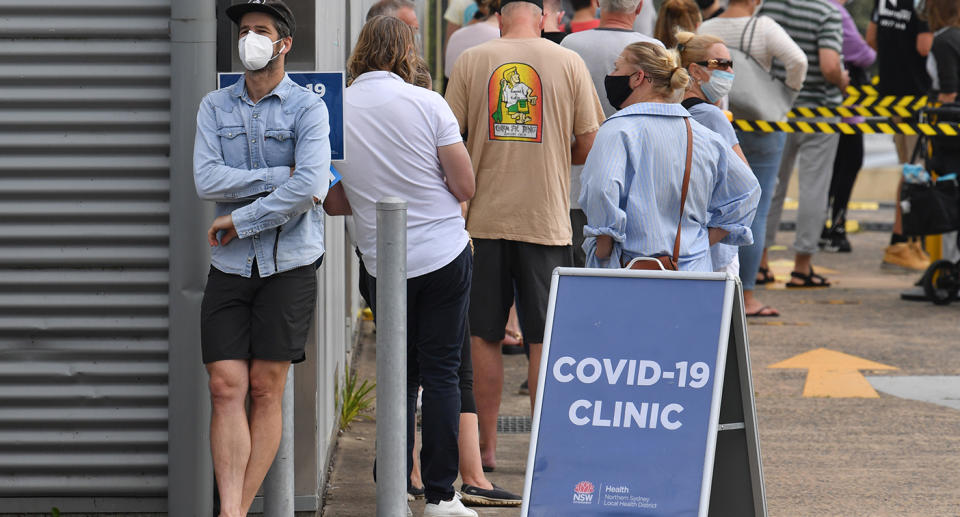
x=719, y=85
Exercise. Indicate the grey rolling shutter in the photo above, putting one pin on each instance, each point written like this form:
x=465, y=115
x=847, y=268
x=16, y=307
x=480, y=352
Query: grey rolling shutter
x=84, y=139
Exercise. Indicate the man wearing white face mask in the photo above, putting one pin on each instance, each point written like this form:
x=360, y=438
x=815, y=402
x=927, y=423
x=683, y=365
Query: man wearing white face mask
x=262, y=153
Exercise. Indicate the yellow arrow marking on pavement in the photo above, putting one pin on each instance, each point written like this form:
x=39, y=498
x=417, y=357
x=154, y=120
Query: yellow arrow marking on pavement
x=834, y=374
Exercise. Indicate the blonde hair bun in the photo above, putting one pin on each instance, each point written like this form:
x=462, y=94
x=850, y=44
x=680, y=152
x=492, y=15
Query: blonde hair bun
x=662, y=66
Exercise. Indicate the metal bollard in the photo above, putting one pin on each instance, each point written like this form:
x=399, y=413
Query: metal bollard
x=278, y=496
x=391, y=357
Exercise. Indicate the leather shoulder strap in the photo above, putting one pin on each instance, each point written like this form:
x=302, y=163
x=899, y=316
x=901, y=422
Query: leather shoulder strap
x=683, y=192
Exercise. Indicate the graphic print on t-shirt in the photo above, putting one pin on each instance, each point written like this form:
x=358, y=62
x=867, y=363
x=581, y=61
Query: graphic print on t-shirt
x=891, y=15
x=516, y=111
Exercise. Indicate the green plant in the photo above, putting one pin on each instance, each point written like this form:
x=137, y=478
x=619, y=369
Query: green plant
x=354, y=401
x=55, y=512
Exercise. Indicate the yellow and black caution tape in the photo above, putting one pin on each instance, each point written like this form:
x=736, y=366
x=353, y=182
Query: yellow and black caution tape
x=890, y=106
x=843, y=128
x=866, y=101
x=864, y=90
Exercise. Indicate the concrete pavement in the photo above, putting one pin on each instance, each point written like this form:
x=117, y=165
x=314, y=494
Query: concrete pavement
x=821, y=456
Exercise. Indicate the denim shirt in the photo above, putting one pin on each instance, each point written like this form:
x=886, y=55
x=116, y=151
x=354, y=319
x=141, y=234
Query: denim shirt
x=632, y=182
x=242, y=158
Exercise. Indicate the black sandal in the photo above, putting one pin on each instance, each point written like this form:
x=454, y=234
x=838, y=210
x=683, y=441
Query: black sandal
x=766, y=277
x=810, y=280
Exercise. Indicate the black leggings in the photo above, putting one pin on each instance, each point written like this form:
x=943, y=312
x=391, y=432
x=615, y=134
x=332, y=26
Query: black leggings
x=845, y=169
x=468, y=403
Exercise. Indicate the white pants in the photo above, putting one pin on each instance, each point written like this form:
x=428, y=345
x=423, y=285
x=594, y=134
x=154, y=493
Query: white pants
x=733, y=267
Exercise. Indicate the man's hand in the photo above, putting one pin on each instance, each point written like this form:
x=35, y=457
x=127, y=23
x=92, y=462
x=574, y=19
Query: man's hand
x=225, y=223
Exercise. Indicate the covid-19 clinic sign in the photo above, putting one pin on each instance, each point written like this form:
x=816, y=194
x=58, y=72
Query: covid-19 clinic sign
x=626, y=414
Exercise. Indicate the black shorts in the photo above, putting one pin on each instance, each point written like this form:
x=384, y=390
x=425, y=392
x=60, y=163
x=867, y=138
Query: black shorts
x=257, y=318
x=499, y=267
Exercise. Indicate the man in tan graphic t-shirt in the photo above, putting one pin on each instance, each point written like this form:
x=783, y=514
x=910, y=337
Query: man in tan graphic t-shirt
x=529, y=109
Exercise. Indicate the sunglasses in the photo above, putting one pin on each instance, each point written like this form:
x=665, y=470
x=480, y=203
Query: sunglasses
x=723, y=64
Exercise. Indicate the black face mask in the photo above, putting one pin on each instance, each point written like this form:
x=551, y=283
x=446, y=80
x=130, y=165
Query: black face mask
x=618, y=89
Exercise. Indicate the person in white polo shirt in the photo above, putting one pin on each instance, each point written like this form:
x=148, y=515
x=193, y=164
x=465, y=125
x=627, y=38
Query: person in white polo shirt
x=404, y=141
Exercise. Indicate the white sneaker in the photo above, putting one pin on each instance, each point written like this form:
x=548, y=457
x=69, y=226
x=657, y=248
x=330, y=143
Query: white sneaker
x=451, y=508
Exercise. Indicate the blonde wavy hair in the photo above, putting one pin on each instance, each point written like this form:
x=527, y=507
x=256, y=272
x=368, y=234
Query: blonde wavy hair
x=661, y=66
x=385, y=43
x=694, y=47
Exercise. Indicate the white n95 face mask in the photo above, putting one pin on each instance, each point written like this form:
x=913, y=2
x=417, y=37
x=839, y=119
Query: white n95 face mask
x=256, y=51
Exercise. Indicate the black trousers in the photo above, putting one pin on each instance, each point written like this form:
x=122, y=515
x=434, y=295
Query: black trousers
x=846, y=166
x=468, y=403
x=437, y=305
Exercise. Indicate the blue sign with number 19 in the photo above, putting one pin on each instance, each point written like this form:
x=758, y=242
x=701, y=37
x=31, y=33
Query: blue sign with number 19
x=328, y=85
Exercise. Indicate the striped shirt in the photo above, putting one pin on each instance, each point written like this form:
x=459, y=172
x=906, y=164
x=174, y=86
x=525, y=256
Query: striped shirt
x=813, y=24
x=632, y=181
x=770, y=42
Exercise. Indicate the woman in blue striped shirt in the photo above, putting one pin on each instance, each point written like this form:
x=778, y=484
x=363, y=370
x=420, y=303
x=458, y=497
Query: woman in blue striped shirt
x=632, y=180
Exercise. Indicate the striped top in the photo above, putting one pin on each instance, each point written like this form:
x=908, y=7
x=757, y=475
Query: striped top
x=632, y=181
x=813, y=24
x=770, y=42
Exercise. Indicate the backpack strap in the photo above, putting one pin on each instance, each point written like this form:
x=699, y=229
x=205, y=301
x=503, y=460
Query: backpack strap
x=692, y=101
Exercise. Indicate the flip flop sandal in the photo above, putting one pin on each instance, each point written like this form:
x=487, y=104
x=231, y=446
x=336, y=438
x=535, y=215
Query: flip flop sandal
x=811, y=280
x=761, y=314
x=766, y=277
x=513, y=349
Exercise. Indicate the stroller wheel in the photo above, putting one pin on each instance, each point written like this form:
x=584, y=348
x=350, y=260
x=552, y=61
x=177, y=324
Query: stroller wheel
x=941, y=282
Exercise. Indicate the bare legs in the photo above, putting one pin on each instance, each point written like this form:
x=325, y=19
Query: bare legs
x=471, y=467
x=533, y=368
x=488, y=388
x=512, y=333
x=229, y=433
x=244, y=449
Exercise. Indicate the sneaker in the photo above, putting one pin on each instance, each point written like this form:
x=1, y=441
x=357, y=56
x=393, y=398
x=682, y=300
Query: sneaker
x=838, y=243
x=824, y=238
x=476, y=496
x=905, y=255
x=451, y=508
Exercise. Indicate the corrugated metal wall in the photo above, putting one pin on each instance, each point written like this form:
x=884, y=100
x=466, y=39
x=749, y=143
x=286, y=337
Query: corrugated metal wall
x=84, y=138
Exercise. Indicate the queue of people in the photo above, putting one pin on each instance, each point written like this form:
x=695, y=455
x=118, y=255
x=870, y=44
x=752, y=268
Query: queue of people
x=609, y=147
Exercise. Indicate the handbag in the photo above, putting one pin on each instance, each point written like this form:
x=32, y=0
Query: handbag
x=667, y=262
x=929, y=207
x=756, y=94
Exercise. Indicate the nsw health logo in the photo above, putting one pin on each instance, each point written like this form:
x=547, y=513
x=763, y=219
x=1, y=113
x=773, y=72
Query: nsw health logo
x=583, y=493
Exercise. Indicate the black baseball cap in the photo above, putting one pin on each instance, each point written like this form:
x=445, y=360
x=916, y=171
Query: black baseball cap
x=275, y=8
x=538, y=3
